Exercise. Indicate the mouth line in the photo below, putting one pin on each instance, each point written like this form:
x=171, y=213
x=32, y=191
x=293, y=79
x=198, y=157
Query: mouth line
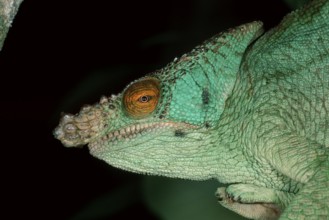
x=133, y=130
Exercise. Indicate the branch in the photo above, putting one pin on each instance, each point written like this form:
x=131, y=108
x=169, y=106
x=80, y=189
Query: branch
x=8, y=10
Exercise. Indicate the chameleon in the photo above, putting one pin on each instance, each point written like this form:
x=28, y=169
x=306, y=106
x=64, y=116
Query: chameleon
x=248, y=108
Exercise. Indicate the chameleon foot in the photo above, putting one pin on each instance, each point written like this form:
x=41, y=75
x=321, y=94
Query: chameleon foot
x=241, y=203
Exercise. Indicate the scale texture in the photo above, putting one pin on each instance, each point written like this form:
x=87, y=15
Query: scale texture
x=248, y=108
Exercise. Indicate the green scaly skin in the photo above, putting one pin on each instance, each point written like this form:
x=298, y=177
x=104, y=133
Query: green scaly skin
x=246, y=108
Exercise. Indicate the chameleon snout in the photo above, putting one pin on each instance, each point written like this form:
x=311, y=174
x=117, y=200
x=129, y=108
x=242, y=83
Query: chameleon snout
x=80, y=129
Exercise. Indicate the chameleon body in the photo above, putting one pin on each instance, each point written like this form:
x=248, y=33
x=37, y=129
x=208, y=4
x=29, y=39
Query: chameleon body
x=248, y=108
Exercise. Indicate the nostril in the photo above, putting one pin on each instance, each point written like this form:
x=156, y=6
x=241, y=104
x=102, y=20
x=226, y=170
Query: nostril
x=70, y=128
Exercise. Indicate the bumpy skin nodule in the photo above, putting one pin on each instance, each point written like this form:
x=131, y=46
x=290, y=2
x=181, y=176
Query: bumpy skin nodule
x=248, y=109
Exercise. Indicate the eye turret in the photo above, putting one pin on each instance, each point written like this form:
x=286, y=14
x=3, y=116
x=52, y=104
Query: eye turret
x=141, y=98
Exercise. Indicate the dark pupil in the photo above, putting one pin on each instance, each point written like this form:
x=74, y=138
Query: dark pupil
x=144, y=98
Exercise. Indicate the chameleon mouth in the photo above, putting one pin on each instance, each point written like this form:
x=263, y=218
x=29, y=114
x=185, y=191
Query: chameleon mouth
x=134, y=130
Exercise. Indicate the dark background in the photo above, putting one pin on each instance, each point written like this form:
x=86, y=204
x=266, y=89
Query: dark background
x=60, y=55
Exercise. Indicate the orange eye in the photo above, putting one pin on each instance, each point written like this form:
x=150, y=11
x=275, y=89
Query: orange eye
x=141, y=98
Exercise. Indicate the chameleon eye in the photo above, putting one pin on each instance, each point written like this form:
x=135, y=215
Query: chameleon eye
x=141, y=98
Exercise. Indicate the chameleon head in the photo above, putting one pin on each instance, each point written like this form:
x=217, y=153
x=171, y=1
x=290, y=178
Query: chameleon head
x=128, y=130
x=166, y=123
